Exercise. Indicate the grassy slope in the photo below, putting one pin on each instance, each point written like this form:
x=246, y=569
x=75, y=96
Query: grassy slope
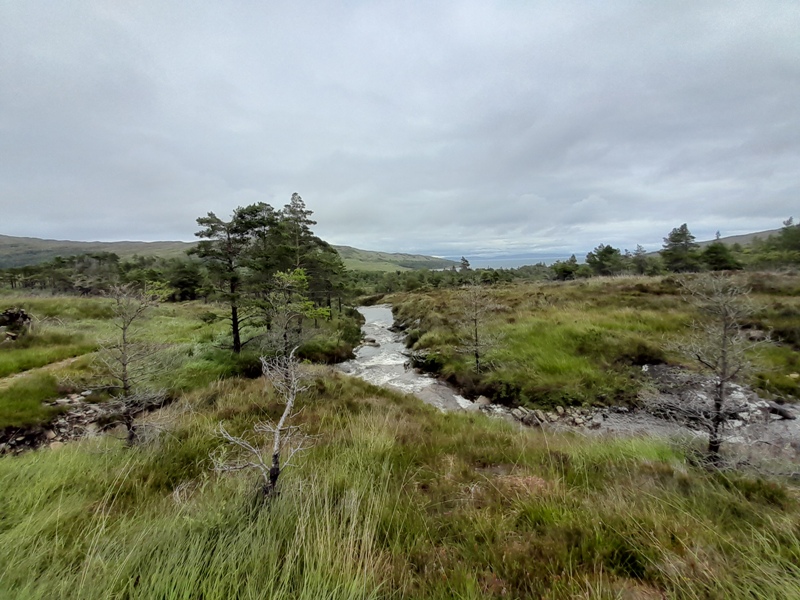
x=366, y=260
x=394, y=500
x=19, y=251
x=67, y=326
x=576, y=342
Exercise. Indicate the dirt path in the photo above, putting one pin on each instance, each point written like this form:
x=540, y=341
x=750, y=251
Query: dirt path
x=6, y=381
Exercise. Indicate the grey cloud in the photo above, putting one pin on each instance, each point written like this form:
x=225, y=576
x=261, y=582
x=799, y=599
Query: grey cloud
x=443, y=127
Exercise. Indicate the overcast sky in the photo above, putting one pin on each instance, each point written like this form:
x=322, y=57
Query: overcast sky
x=447, y=128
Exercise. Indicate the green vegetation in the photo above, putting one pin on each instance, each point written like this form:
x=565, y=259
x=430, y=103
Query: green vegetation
x=21, y=400
x=393, y=500
x=39, y=349
x=584, y=341
x=190, y=336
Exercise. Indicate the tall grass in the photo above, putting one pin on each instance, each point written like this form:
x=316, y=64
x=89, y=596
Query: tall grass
x=393, y=500
x=21, y=400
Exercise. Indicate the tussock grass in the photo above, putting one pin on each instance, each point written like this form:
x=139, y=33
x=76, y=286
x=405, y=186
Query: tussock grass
x=393, y=500
x=582, y=341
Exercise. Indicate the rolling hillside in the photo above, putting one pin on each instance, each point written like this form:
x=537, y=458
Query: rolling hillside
x=22, y=251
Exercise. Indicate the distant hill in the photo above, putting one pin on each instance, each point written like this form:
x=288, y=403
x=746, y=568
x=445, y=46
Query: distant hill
x=367, y=260
x=743, y=239
x=23, y=251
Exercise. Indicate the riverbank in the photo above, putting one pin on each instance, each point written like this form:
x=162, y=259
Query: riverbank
x=757, y=432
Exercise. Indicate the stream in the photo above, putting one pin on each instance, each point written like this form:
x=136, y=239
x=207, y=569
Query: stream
x=385, y=363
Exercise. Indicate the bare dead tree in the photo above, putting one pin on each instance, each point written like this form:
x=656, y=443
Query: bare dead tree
x=474, y=340
x=127, y=361
x=274, y=440
x=718, y=344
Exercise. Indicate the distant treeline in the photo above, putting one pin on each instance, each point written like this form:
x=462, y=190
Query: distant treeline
x=680, y=254
x=274, y=241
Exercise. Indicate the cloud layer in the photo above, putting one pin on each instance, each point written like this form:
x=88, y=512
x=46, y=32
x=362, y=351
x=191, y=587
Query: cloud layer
x=452, y=128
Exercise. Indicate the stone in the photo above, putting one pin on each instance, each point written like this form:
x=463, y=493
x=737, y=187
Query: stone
x=794, y=375
x=63, y=401
x=87, y=393
x=483, y=401
x=596, y=422
x=50, y=434
x=517, y=414
x=560, y=410
x=56, y=445
x=540, y=415
x=92, y=428
x=552, y=417
x=579, y=421
x=20, y=439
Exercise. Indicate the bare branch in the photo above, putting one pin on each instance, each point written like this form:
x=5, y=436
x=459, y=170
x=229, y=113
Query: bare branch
x=285, y=376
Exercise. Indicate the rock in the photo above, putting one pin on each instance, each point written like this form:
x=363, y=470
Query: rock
x=517, y=414
x=735, y=423
x=483, y=401
x=794, y=375
x=50, y=434
x=63, y=401
x=560, y=411
x=87, y=393
x=783, y=413
x=20, y=439
x=540, y=415
x=55, y=445
x=579, y=421
x=92, y=428
x=596, y=422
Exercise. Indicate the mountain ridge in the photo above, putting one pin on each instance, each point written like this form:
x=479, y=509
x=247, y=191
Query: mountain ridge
x=26, y=251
